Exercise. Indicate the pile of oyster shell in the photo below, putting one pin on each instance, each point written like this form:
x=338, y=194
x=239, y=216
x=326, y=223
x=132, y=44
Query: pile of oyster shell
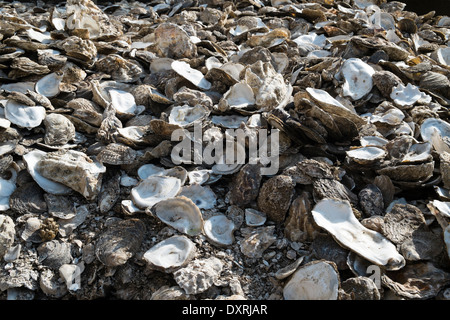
x=94, y=203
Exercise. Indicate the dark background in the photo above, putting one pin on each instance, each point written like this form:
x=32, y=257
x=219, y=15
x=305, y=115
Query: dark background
x=442, y=7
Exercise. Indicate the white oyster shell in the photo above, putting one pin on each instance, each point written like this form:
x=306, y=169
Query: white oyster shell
x=199, y=176
x=147, y=170
x=219, y=230
x=239, y=96
x=333, y=106
x=254, y=218
x=24, y=116
x=154, y=189
x=48, y=85
x=373, y=141
x=181, y=214
x=202, y=196
x=317, y=280
x=358, y=78
x=227, y=165
x=185, y=115
x=336, y=216
x=366, y=155
x=437, y=132
x=124, y=103
x=192, y=75
x=170, y=254
x=408, y=95
x=443, y=55
x=31, y=159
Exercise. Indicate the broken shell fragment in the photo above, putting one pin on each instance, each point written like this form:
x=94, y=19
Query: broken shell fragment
x=170, y=254
x=408, y=95
x=181, y=214
x=336, y=216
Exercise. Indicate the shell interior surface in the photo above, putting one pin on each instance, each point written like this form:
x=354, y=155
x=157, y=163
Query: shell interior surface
x=181, y=214
x=202, y=196
x=24, y=116
x=336, y=217
x=317, y=280
x=408, y=95
x=192, y=75
x=171, y=253
x=358, y=78
x=219, y=229
x=48, y=86
x=154, y=189
x=31, y=159
x=186, y=115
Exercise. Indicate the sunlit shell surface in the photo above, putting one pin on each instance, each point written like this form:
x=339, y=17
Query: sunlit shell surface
x=336, y=216
x=317, y=280
x=24, y=116
x=408, y=95
x=358, y=78
x=219, y=229
x=181, y=214
x=185, y=115
x=48, y=86
x=31, y=159
x=192, y=75
x=170, y=254
x=366, y=155
x=154, y=189
x=202, y=196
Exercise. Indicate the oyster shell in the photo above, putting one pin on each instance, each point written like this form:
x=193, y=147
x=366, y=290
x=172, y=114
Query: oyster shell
x=181, y=214
x=408, y=95
x=219, y=230
x=58, y=129
x=202, y=196
x=358, y=78
x=31, y=159
x=49, y=85
x=317, y=280
x=336, y=216
x=23, y=115
x=119, y=242
x=73, y=169
x=7, y=228
x=154, y=189
x=192, y=75
x=170, y=254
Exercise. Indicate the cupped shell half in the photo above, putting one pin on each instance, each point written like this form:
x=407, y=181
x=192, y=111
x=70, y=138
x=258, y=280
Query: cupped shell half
x=24, y=116
x=170, y=254
x=154, y=189
x=219, y=230
x=181, y=214
x=317, y=280
x=336, y=216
